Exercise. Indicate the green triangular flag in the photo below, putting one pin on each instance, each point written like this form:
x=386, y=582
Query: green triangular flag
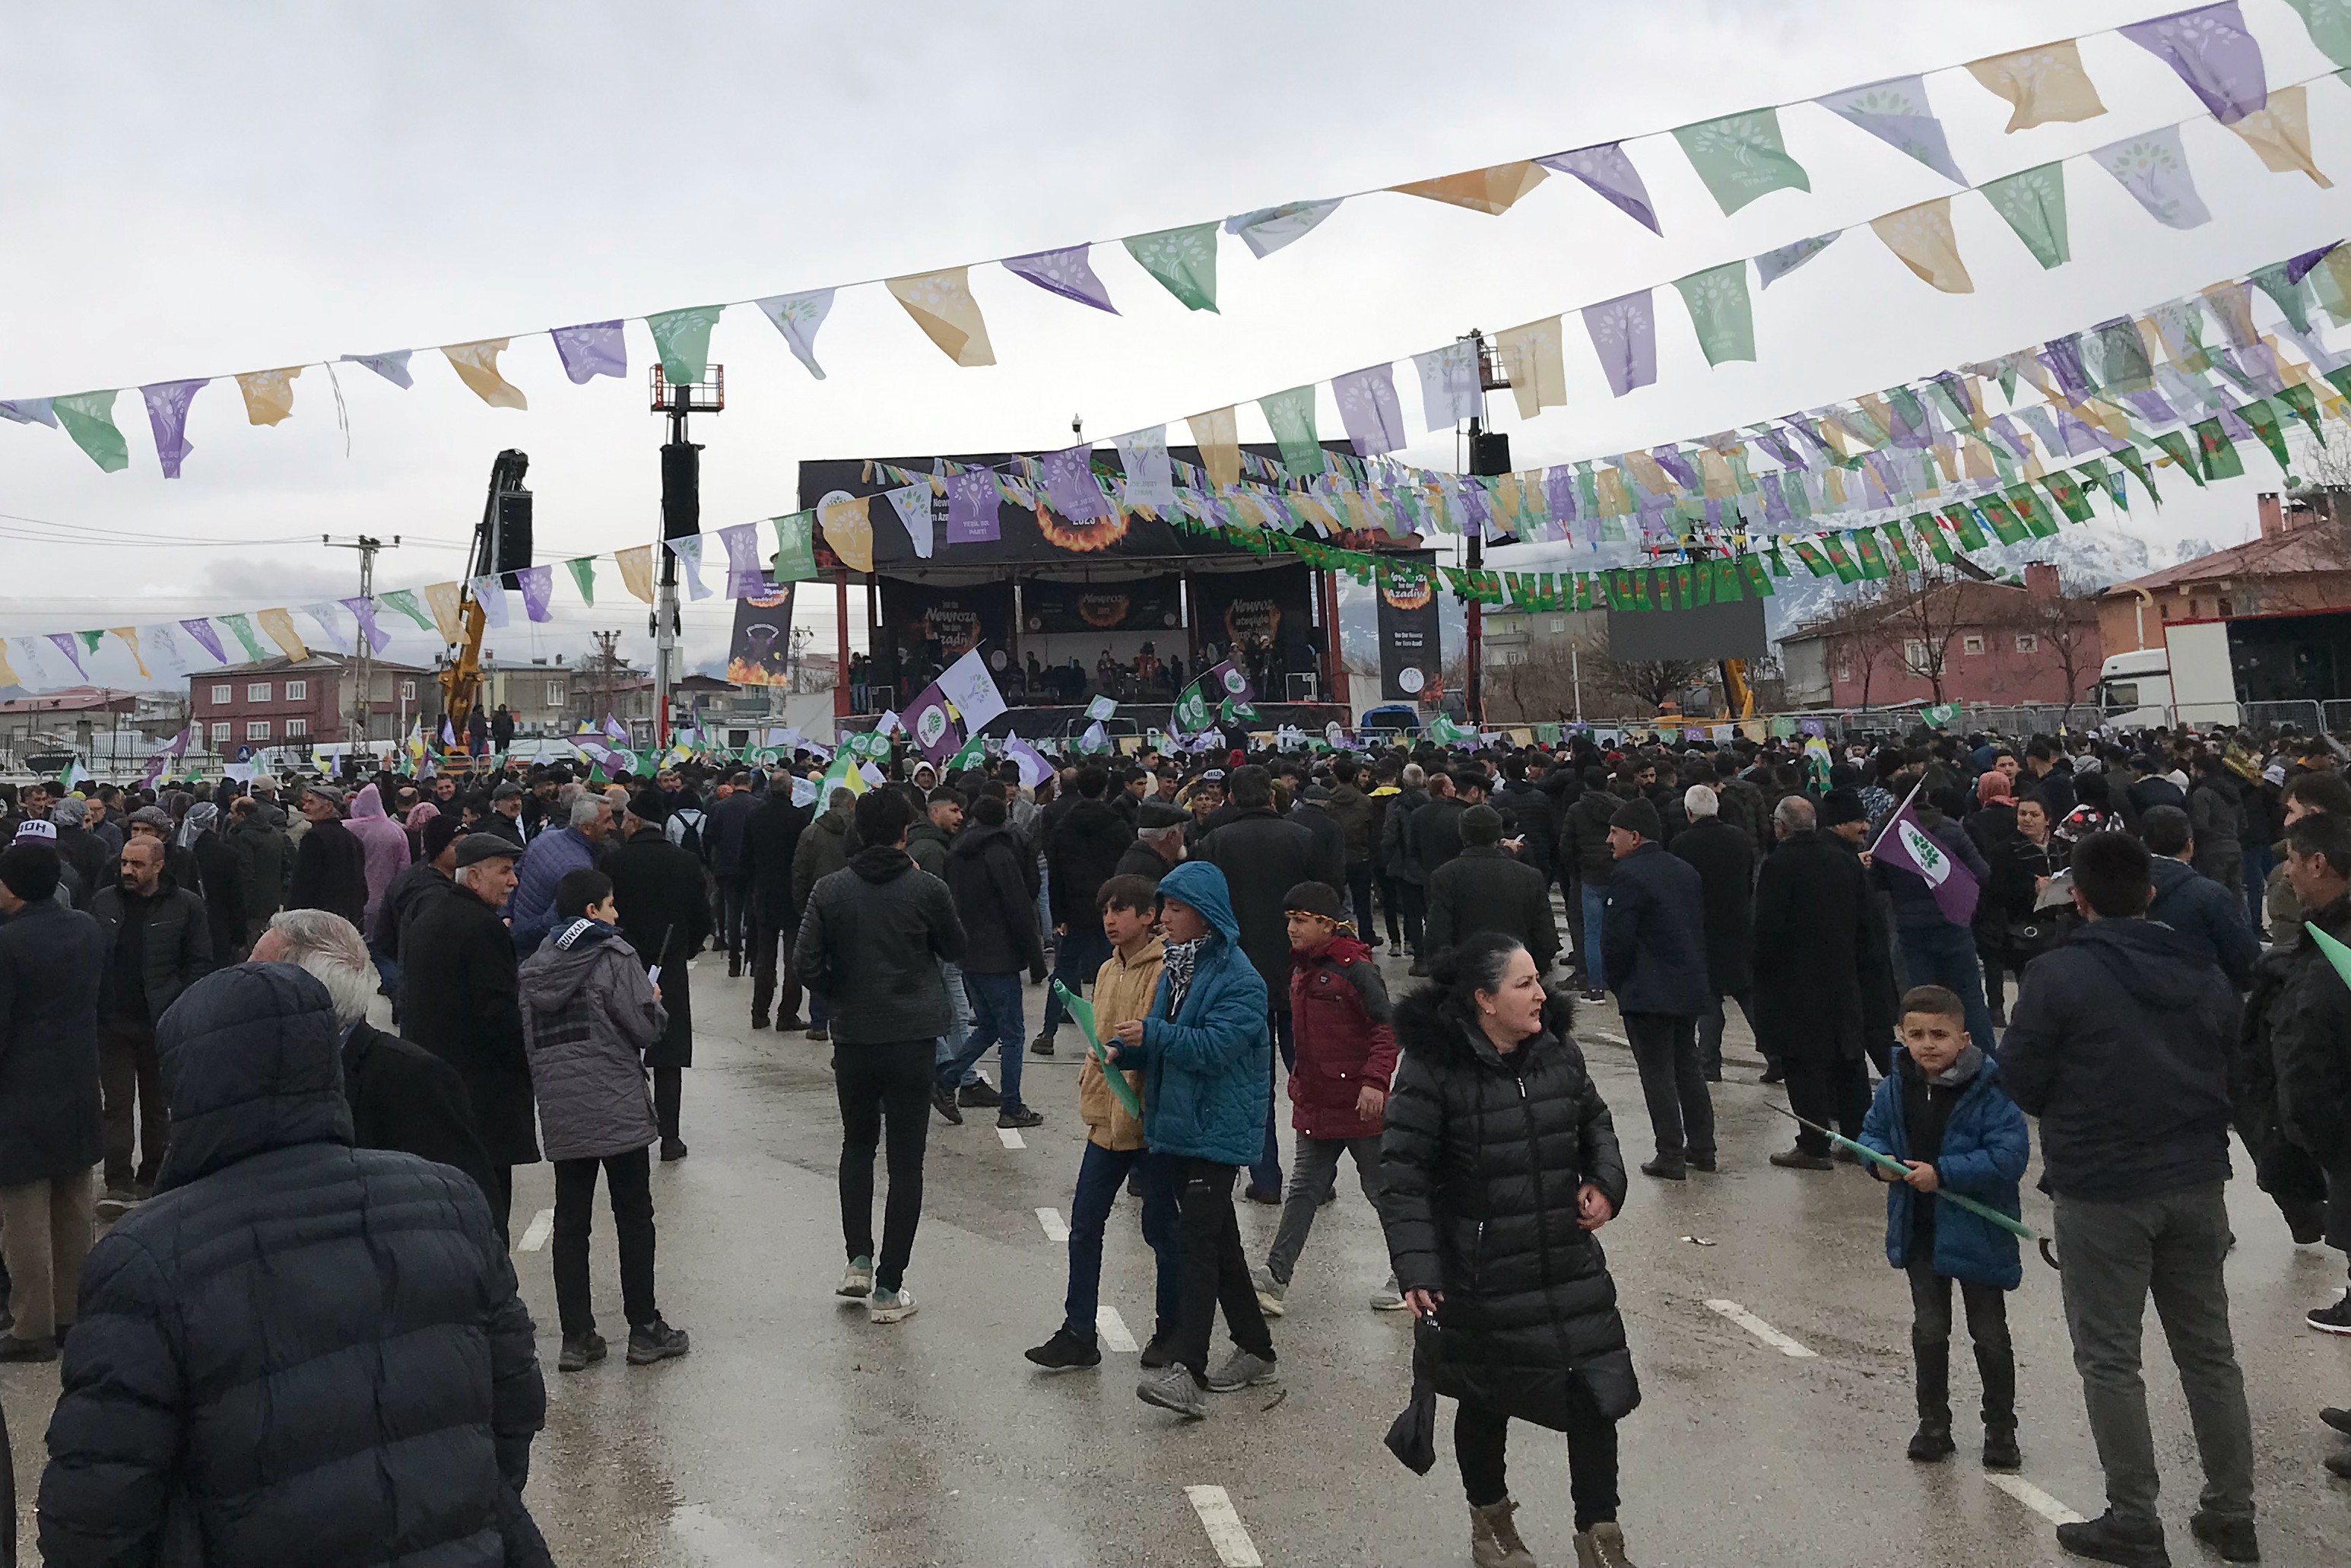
x=1291, y=416
x=1184, y=260
x=2219, y=453
x=1900, y=547
x=2032, y=513
x=1963, y=523
x=1813, y=561
x=795, y=547
x=1742, y=157
x=243, y=626
x=683, y=340
x=1727, y=580
x=404, y=601
x=2292, y=297
x=2175, y=446
x=2304, y=402
x=1720, y=310
x=2064, y=489
x=971, y=753
x=1757, y=578
x=90, y=640
x=1937, y=543
x=1872, y=558
x=2264, y=421
x=2004, y=525
x=2130, y=458
x=2336, y=953
x=2329, y=22
x=583, y=574
x=88, y=418
x=2110, y=480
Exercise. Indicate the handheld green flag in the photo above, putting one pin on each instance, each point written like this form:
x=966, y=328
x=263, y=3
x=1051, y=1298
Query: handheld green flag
x=2336, y=953
x=1083, y=1012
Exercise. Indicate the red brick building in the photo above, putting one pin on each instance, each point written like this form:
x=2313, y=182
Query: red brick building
x=1956, y=641
x=2301, y=561
x=280, y=702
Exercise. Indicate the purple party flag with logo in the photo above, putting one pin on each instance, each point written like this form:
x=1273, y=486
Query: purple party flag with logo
x=1069, y=273
x=1775, y=264
x=392, y=367
x=1611, y=175
x=362, y=611
x=1896, y=112
x=1906, y=846
x=1559, y=493
x=1070, y=486
x=207, y=638
x=972, y=502
x=1034, y=768
x=930, y=727
x=2208, y=46
x=66, y=644
x=537, y=587
x=592, y=349
x=1624, y=335
x=167, y=416
x=745, y=577
x=1369, y=409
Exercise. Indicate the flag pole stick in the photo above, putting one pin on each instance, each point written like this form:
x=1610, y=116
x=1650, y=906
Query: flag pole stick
x=2017, y=1228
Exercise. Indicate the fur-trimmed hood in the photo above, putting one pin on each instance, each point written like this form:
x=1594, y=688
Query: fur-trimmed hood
x=1427, y=1026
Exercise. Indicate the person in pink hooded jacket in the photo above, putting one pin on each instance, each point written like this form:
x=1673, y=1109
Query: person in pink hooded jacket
x=384, y=839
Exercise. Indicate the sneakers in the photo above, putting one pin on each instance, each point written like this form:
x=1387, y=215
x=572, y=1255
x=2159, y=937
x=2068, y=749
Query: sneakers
x=891, y=1306
x=672, y=1150
x=1595, y=996
x=1665, y=1170
x=1041, y=1046
x=1798, y=1160
x=1019, y=1116
x=1388, y=1298
x=1159, y=1353
x=1239, y=1370
x=1065, y=1350
x=2229, y=1534
x=945, y=1104
x=1494, y=1540
x=580, y=1351
x=2335, y=1319
x=980, y=1096
x=2102, y=1540
x=859, y=1279
x=655, y=1341
x=1175, y=1389
x=1270, y=1292
x=1931, y=1443
x=15, y=1349
x=1602, y=1546
x=1999, y=1449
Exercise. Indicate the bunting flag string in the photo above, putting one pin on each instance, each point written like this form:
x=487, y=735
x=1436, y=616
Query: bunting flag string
x=1740, y=157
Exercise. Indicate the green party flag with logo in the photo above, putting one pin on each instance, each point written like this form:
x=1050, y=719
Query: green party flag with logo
x=1642, y=584
x=243, y=626
x=1757, y=578
x=1686, y=596
x=1583, y=590
x=1777, y=562
x=2303, y=403
x=2174, y=445
x=1846, y=571
x=1620, y=589
x=1900, y=547
x=2263, y=417
x=683, y=340
x=2292, y=297
x=795, y=547
x=1931, y=538
x=1963, y=523
x=583, y=576
x=1191, y=714
x=1290, y=415
x=1939, y=714
x=972, y=754
x=1872, y=558
x=1812, y=558
x=1742, y=157
x=2033, y=204
x=88, y=418
x=2030, y=512
x=1233, y=710
x=404, y=601
x=1720, y=311
x=2102, y=477
x=2067, y=493
x=1727, y=589
x=2219, y=453
x=1183, y=261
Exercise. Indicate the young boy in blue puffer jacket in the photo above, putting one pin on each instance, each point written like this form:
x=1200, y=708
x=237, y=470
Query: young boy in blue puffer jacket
x=1944, y=1113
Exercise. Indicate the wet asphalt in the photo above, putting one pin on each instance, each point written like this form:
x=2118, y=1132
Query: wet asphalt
x=800, y=1433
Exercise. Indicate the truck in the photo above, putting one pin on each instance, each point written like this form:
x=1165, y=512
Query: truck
x=2231, y=670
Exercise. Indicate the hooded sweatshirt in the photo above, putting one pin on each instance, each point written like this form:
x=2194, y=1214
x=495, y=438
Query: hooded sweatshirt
x=384, y=841
x=589, y=1013
x=1206, y=1057
x=870, y=944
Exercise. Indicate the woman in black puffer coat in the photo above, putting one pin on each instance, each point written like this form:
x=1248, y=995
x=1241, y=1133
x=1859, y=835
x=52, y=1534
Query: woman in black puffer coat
x=1500, y=1162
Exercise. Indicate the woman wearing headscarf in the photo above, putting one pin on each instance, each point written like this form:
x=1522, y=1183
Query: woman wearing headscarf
x=216, y=877
x=1500, y=1163
x=418, y=814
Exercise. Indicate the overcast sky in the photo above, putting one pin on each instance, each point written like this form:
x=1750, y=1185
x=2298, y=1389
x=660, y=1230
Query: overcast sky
x=193, y=191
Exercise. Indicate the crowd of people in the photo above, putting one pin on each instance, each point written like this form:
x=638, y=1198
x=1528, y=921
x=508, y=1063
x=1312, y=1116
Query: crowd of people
x=186, y=1051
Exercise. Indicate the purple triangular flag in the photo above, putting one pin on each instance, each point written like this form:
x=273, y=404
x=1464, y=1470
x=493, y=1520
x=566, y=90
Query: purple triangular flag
x=537, y=587
x=746, y=577
x=67, y=645
x=1369, y=409
x=1671, y=460
x=592, y=349
x=2298, y=268
x=1069, y=486
x=2063, y=358
x=392, y=367
x=1905, y=844
x=1609, y=172
x=362, y=611
x=1559, y=493
x=2208, y=46
x=1624, y=335
x=167, y=416
x=1896, y=112
x=1775, y=264
x=1067, y=272
x=30, y=410
x=972, y=507
x=207, y=638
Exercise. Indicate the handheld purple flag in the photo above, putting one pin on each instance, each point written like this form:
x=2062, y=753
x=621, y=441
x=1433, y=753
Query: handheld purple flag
x=927, y=721
x=167, y=416
x=1905, y=845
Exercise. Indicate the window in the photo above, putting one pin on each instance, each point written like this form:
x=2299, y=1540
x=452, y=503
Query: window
x=296, y=691
x=219, y=728
x=555, y=695
x=2026, y=642
x=2227, y=608
x=221, y=694
x=256, y=692
x=1972, y=644
x=1844, y=672
x=1558, y=623
x=408, y=691
x=297, y=728
x=257, y=730
x=1914, y=654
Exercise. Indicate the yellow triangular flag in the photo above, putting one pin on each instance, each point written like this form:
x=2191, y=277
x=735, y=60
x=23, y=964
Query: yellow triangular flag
x=7, y=670
x=1493, y=190
x=268, y=394
x=637, y=571
x=2044, y=85
x=2280, y=133
x=1532, y=357
x=448, y=609
x=129, y=636
x=1217, y=436
x=942, y=306
x=476, y=365
x=1921, y=238
x=849, y=530
x=280, y=628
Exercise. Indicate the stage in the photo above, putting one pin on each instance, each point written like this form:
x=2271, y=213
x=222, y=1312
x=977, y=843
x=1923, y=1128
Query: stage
x=1132, y=720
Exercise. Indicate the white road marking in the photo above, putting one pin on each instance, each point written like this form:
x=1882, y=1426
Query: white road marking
x=542, y=1226
x=1056, y=1227
x=2033, y=1498
x=1010, y=1138
x=1113, y=1329
x=1223, y=1523
x=1760, y=1329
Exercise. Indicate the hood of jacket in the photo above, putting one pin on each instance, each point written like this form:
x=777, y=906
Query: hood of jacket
x=880, y=862
x=974, y=841
x=834, y=823
x=366, y=804
x=931, y=830
x=2163, y=966
x=2167, y=874
x=1202, y=885
x=1426, y=1024
x=1341, y=949
x=252, y=1062
x=551, y=977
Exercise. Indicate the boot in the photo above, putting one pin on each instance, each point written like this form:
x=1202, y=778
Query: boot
x=1602, y=1546
x=1932, y=1441
x=1494, y=1540
x=1996, y=1365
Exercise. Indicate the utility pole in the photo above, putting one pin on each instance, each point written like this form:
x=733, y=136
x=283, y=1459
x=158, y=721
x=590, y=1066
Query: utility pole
x=680, y=470
x=607, y=677
x=358, y=731
x=1490, y=453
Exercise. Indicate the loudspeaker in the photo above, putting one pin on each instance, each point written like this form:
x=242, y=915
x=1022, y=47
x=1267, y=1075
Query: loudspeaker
x=512, y=546
x=1489, y=453
x=681, y=489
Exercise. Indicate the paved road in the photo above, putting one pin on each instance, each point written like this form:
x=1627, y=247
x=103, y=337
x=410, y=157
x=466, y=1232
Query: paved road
x=799, y=1433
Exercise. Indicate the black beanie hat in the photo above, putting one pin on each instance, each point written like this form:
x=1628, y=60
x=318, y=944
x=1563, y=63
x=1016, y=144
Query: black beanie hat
x=1315, y=898
x=1640, y=815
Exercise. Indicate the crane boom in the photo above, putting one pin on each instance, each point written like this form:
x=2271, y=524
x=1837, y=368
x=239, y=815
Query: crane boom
x=461, y=672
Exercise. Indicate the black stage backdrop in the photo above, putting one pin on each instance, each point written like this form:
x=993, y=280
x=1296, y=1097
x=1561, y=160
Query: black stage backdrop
x=1273, y=605
x=935, y=626
x=1152, y=605
x=1711, y=631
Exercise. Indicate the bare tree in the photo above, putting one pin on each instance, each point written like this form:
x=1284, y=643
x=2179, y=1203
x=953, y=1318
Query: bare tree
x=1923, y=609
x=1861, y=638
x=2065, y=627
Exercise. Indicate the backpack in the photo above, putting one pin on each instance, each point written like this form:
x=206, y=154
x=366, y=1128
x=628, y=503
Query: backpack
x=684, y=830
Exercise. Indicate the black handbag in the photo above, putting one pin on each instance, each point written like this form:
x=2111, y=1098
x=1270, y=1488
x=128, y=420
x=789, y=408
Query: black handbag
x=1412, y=1435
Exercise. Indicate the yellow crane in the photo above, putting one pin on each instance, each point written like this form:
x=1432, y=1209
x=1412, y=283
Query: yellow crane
x=502, y=543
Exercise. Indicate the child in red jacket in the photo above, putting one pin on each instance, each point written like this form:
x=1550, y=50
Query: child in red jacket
x=1339, y=1084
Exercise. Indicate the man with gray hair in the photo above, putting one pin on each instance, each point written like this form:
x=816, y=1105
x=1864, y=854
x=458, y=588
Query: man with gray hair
x=402, y=1096
x=1724, y=858
x=546, y=859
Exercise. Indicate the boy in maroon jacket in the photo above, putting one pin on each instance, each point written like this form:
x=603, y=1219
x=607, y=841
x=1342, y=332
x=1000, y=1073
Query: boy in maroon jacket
x=1339, y=1084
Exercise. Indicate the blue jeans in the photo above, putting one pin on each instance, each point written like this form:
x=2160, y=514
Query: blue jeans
x=996, y=1009
x=1266, y=1172
x=2260, y=860
x=1595, y=905
x=1945, y=954
x=944, y=1049
x=1079, y=955
x=1100, y=1175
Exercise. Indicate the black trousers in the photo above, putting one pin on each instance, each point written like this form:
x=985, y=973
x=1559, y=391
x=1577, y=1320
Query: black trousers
x=628, y=1185
x=1359, y=894
x=1481, y=1439
x=1681, y=1112
x=764, y=939
x=1930, y=1345
x=1832, y=1090
x=669, y=1090
x=734, y=917
x=1214, y=1270
x=130, y=1078
x=1387, y=886
x=1411, y=899
x=501, y=1196
x=883, y=1085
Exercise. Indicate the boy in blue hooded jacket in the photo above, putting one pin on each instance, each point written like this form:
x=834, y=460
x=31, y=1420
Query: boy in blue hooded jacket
x=1208, y=1088
x=1944, y=1113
